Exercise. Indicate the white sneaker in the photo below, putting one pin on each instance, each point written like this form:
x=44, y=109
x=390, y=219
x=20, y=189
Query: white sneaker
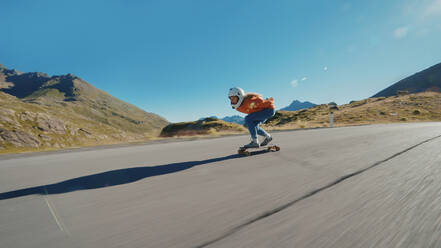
x=253, y=144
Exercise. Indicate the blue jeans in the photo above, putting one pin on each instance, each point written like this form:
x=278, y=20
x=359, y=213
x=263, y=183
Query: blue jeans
x=253, y=121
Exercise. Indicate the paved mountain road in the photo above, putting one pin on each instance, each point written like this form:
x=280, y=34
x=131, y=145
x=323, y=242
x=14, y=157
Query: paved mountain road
x=367, y=186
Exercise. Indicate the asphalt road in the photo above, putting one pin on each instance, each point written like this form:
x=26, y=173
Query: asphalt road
x=368, y=186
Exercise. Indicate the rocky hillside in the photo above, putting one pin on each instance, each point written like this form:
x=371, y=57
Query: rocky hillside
x=38, y=111
x=426, y=80
x=424, y=106
x=207, y=126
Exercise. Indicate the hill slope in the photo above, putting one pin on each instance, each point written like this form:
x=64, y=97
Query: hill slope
x=424, y=106
x=64, y=111
x=426, y=80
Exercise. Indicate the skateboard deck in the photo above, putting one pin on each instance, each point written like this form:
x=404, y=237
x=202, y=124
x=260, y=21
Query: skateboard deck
x=252, y=151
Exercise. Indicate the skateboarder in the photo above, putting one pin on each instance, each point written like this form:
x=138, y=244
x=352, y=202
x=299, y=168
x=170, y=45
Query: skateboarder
x=258, y=110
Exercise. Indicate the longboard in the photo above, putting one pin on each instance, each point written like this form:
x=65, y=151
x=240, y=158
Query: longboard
x=252, y=151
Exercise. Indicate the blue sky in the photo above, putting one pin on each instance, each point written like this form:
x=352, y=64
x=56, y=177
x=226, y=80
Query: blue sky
x=179, y=58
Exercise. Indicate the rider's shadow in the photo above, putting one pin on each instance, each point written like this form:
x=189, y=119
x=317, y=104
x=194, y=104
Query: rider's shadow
x=110, y=178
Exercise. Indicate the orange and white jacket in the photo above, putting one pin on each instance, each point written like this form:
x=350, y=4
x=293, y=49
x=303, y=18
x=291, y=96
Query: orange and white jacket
x=254, y=103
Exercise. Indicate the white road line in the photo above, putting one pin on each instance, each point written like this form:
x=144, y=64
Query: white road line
x=51, y=209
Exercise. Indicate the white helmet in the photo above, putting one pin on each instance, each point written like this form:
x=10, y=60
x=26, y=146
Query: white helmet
x=236, y=91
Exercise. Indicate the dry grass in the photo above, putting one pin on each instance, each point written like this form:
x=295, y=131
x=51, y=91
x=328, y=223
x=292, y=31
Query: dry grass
x=422, y=107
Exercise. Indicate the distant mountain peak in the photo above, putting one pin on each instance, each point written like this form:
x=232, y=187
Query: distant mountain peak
x=298, y=105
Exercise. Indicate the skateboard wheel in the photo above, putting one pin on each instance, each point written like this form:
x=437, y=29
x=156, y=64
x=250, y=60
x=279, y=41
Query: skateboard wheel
x=243, y=152
x=272, y=148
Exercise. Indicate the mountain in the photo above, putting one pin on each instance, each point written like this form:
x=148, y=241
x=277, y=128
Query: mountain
x=426, y=80
x=297, y=105
x=234, y=119
x=64, y=111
